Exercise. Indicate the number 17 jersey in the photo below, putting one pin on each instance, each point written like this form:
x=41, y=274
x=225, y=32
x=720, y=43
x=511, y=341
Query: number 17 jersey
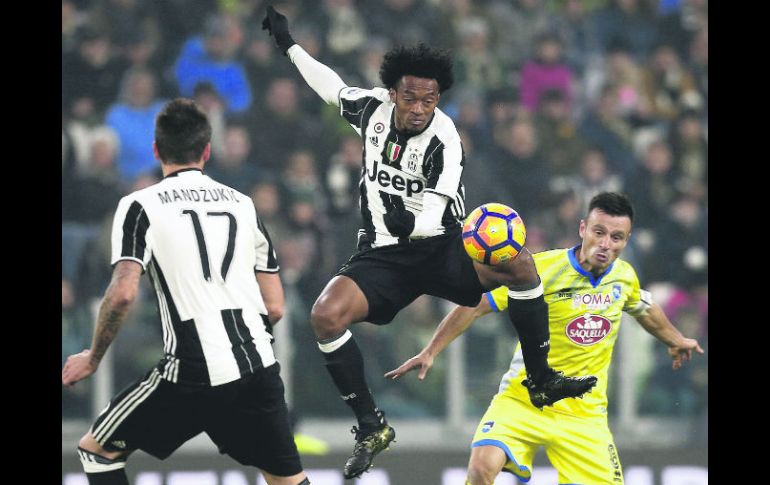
x=201, y=243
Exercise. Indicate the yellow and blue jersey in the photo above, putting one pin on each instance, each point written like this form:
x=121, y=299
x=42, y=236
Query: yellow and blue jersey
x=584, y=318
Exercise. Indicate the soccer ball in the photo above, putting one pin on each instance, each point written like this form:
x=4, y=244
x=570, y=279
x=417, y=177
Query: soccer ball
x=493, y=233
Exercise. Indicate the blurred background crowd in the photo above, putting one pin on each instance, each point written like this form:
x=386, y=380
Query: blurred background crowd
x=555, y=100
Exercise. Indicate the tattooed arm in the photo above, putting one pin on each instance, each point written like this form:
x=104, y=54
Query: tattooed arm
x=117, y=301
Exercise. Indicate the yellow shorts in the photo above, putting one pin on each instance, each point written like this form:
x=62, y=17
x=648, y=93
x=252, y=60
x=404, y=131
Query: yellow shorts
x=581, y=449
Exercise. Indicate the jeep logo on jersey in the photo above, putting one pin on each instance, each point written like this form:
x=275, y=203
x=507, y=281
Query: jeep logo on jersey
x=394, y=181
x=588, y=329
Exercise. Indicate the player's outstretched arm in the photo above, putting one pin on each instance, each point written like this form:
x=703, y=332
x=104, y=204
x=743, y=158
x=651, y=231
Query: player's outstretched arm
x=454, y=324
x=118, y=299
x=658, y=325
x=318, y=76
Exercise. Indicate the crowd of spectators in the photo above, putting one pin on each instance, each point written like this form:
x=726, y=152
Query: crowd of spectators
x=556, y=100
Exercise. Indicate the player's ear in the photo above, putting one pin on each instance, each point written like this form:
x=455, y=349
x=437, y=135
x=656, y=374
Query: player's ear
x=206, y=152
x=582, y=228
x=155, y=151
x=392, y=94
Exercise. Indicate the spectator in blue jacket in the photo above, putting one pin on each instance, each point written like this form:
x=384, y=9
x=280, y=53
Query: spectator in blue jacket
x=210, y=58
x=133, y=119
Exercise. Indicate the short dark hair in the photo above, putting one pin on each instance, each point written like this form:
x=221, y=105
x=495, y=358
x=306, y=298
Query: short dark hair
x=612, y=203
x=420, y=61
x=182, y=131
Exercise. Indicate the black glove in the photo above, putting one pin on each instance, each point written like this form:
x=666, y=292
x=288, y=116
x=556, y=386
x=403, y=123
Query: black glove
x=277, y=26
x=399, y=222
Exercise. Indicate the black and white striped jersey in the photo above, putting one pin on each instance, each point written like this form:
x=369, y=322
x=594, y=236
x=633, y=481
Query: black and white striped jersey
x=201, y=242
x=399, y=168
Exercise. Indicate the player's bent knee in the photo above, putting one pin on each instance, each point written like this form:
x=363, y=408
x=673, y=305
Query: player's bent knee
x=480, y=474
x=89, y=443
x=523, y=272
x=481, y=471
x=328, y=319
x=97, y=463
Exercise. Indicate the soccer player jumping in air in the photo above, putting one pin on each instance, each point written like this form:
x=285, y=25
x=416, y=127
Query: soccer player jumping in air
x=412, y=204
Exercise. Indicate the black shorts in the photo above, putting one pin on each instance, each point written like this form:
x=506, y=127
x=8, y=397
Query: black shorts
x=391, y=277
x=247, y=419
